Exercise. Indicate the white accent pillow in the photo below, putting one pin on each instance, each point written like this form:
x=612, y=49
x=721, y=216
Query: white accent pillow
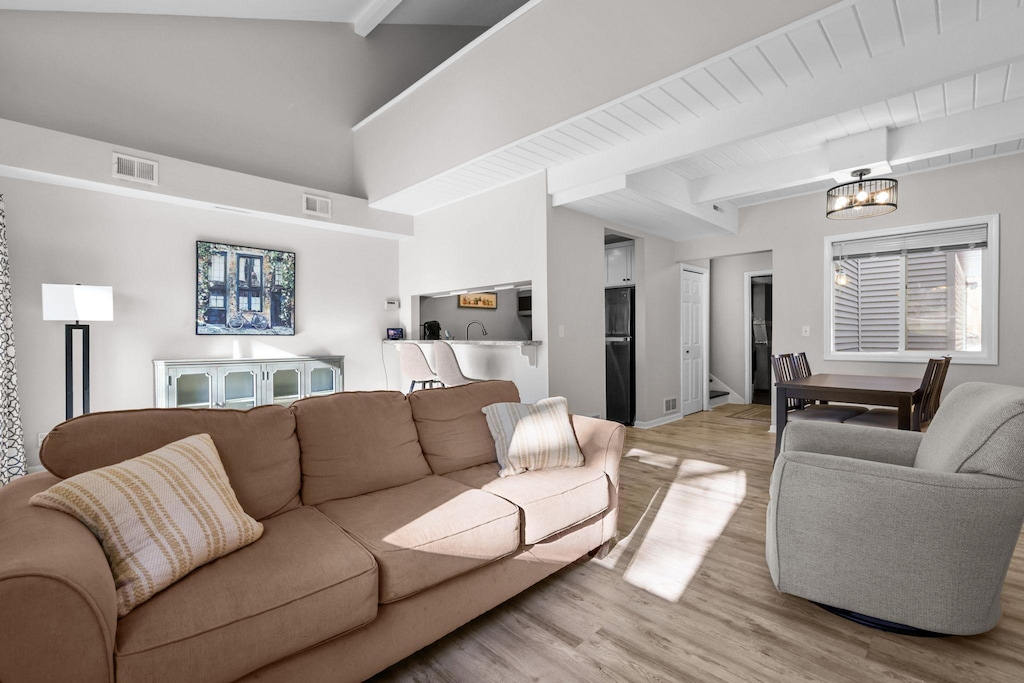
x=158, y=516
x=533, y=437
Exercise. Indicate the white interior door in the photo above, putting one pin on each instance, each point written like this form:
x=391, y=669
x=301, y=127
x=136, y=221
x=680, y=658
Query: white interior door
x=691, y=338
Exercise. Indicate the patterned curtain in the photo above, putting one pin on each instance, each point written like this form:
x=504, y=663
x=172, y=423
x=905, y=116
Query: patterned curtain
x=12, y=438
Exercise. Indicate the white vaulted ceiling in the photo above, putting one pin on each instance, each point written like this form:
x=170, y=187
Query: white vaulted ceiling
x=944, y=78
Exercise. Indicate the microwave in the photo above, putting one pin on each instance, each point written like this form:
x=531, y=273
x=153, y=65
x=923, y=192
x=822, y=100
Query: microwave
x=525, y=303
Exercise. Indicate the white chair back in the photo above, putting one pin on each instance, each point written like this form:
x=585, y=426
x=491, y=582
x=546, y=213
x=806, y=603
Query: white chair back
x=448, y=369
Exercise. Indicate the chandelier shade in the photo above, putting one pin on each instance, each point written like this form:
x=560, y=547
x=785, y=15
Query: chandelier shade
x=861, y=198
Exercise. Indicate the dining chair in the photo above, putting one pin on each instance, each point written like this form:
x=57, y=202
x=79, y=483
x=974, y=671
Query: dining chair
x=415, y=366
x=788, y=367
x=924, y=410
x=447, y=365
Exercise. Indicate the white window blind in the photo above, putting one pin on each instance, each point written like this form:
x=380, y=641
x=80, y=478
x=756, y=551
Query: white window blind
x=943, y=239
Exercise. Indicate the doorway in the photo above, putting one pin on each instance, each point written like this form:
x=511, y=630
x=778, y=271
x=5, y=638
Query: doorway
x=758, y=295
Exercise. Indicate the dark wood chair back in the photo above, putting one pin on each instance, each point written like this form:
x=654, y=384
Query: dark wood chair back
x=803, y=368
x=931, y=387
x=785, y=367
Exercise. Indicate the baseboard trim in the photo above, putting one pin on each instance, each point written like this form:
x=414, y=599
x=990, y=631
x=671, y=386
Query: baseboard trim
x=671, y=417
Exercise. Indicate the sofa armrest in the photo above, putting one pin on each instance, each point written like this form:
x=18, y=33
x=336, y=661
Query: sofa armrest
x=917, y=547
x=601, y=443
x=894, y=446
x=59, y=610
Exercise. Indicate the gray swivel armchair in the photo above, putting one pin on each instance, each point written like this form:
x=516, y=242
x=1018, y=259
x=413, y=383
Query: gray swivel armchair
x=905, y=531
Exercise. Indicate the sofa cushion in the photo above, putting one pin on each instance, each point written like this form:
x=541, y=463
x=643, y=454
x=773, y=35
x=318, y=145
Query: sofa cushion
x=158, y=516
x=428, y=531
x=535, y=436
x=257, y=447
x=303, y=582
x=551, y=500
x=452, y=429
x=978, y=429
x=356, y=442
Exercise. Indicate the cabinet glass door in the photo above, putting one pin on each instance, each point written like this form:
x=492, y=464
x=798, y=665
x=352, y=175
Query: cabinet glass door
x=191, y=389
x=285, y=384
x=323, y=379
x=240, y=385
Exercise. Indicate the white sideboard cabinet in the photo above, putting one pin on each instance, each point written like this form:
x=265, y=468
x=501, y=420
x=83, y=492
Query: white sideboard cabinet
x=245, y=383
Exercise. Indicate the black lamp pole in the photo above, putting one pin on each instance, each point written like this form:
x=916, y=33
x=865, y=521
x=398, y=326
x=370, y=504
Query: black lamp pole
x=69, y=373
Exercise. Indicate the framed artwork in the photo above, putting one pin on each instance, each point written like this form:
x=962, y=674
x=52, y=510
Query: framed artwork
x=244, y=290
x=479, y=300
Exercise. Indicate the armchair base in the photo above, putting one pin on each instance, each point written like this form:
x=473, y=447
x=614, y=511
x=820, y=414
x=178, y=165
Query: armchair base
x=880, y=624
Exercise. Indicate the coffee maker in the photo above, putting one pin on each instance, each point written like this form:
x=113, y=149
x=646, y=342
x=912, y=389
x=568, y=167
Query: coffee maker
x=431, y=330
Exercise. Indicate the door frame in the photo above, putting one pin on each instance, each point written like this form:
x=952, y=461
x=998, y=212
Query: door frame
x=748, y=344
x=705, y=304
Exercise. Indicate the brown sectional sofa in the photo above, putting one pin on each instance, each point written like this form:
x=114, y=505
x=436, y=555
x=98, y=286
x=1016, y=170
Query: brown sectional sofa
x=385, y=527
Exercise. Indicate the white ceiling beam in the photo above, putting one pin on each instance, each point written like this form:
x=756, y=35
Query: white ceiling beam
x=929, y=62
x=373, y=14
x=669, y=189
x=969, y=130
x=604, y=186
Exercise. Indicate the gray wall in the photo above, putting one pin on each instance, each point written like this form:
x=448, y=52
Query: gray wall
x=576, y=307
x=795, y=230
x=276, y=99
x=729, y=319
x=146, y=251
x=502, y=322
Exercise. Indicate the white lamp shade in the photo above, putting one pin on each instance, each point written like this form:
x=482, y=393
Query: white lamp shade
x=78, y=302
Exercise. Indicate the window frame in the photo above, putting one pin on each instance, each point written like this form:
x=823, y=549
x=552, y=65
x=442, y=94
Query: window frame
x=989, y=354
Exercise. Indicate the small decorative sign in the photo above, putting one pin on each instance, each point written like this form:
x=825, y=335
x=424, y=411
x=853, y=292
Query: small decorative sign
x=478, y=300
x=244, y=290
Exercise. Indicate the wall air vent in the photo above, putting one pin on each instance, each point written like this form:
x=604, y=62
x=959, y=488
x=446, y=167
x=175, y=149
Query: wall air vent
x=135, y=169
x=671, y=405
x=316, y=206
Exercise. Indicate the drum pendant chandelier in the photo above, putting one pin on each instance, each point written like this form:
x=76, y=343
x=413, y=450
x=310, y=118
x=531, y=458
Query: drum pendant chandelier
x=861, y=198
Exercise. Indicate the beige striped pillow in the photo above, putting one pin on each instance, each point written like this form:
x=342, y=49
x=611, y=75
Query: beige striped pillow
x=533, y=437
x=158, y=516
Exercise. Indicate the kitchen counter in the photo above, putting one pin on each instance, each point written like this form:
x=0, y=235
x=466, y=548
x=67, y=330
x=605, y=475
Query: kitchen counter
x=473, y=342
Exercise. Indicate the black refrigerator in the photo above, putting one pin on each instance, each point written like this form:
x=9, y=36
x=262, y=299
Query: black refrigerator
x=620, y=358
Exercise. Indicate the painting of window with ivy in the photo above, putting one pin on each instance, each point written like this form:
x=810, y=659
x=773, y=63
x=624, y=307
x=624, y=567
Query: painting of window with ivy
x=244, y=290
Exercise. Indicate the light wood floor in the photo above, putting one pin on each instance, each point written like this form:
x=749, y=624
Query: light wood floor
x=686, y=594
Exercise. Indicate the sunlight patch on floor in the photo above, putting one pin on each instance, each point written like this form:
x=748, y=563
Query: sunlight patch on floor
x=679, y=528
x=651, y=458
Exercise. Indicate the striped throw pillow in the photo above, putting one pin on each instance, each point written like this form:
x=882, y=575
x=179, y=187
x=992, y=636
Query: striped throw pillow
x=157, y=516
x=533, y=437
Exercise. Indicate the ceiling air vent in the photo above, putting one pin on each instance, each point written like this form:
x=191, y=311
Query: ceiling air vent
x=135, y=169
x=316, y=206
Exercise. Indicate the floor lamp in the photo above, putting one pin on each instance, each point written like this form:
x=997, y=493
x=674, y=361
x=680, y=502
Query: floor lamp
x=80, y=303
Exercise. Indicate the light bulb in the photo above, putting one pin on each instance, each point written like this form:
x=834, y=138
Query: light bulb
x=841, y=279
x=862, y=196
x=882, y=197
x=840, y=202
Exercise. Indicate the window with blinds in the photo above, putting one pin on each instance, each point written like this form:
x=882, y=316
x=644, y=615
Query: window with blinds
x=915, y=292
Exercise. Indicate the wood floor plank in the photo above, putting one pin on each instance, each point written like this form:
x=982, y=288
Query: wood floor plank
x=686, y=594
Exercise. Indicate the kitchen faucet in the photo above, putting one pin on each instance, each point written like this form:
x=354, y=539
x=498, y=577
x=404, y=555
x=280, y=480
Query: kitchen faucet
x=482, y=328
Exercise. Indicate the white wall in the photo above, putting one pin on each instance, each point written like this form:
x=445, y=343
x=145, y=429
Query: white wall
x=576, y=306
x=146, y=251
x=494, y=238
x=276, y=99
x=794, y=229
x=729, y=328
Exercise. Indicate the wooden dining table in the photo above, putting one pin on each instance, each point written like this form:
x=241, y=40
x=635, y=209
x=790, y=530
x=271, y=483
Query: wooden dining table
x=899, y=392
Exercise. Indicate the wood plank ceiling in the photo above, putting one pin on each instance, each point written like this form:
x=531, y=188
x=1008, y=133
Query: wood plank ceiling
x=605, y=162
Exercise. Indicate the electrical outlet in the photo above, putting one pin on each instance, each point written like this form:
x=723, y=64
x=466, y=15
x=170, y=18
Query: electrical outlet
x=805, y=331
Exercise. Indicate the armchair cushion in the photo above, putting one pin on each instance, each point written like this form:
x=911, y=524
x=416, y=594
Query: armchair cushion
x=978, y=429
x=897, y=447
